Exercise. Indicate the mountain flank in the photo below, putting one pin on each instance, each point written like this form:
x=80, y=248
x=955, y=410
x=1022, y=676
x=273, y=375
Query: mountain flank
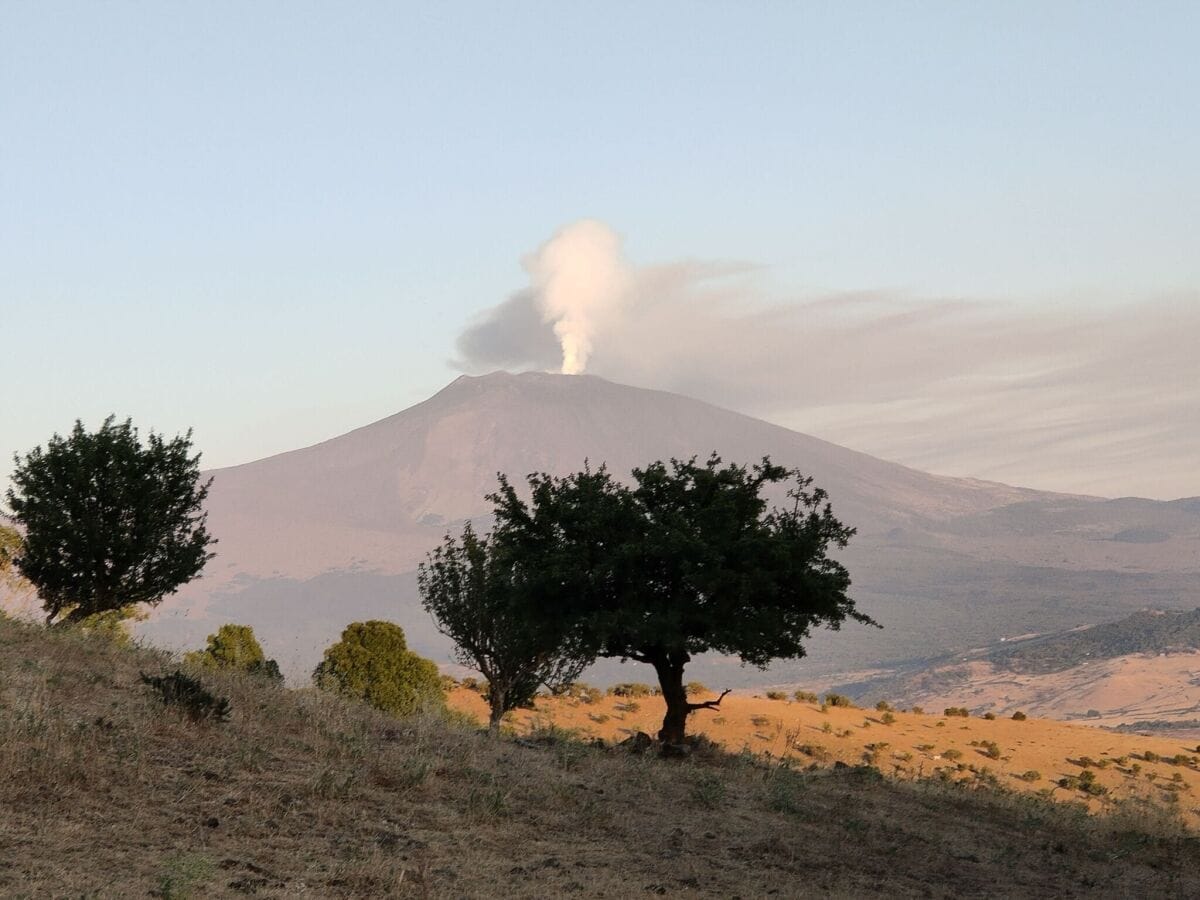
x=318, y=537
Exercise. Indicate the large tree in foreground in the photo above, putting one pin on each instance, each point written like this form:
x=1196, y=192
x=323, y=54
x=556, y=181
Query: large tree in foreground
x=109, y=521
x=688, y=559
x=477, y=596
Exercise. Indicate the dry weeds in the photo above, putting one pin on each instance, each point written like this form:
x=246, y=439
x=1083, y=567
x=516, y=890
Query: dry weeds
x=107, y=794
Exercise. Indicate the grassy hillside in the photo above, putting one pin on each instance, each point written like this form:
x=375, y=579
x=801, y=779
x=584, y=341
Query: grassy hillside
x=1055, y=760
x=106, y=793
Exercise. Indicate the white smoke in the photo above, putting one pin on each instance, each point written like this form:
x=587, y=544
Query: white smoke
x=581, y=282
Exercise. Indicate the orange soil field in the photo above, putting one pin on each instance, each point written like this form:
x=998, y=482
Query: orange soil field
x=1034, y=754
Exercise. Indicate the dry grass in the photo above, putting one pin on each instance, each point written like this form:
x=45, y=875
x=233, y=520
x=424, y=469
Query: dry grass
x=107, y=794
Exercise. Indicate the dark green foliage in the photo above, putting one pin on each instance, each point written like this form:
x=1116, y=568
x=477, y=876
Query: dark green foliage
x=10, y=547
x=478, y=594
x=805, y=696
x=777, y=695
x=687, y=560
x=960, y=711
x=883, y=706
x=1019, y=716
x=109, y=522
x=186, y=692
x=235, y=647
x=842, y=700
x=372, y=662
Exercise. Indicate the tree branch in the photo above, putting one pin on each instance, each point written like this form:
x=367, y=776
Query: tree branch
x=709, y=704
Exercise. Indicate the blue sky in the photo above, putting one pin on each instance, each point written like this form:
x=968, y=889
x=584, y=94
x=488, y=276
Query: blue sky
x=272, y=221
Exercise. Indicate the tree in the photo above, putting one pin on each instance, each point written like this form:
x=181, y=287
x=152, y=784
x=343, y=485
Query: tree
x=689, y=559
x=109, y=522
x=235, y=647
x=475, y=595
x=372, y=662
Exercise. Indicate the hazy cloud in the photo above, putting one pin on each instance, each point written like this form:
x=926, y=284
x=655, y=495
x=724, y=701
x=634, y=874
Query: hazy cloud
x=1102, y=400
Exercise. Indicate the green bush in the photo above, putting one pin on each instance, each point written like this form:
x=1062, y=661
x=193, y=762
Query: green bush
x=235, y=647
x=805, y=697
x=838, y=700
x=916, y=710
x=990, y=716
x=186, y=692
x=961, y=711
x=372, y=662
x=952, y=754
x=695, y=688
x=887, y=718
x=776, y=695
x=1019, y=716
x=1030, y=775
x=883, y=706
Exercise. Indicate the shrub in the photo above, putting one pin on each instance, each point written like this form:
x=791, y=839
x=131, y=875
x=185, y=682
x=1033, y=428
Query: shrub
x=591, y=695
x=918, y=711
x=235, y=647
x=776, y=695
x=1151, y=756
x=838, y=700
x=629, y=706
x=695, y=688
x=990, y=716
x=887, y=718
x=186, y=692
x=372, y=662
x=924, y=748
x=991, y=749
x=1019, y=716
x=630, y=689
x=961, y=711
x=760, y=721
x=952, y=754
x=1031, y=775
x=805, y=697
x=474, y=684
x=883, y=706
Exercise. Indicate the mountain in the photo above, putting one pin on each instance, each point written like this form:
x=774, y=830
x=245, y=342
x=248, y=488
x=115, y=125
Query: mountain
x=318, y=537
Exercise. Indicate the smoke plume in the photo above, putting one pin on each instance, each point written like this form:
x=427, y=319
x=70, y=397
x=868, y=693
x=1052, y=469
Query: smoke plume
x=1097, y=399
x=580, y=283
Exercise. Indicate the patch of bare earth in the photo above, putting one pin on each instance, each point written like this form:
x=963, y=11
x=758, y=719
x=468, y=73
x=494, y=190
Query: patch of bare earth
x=105, y=793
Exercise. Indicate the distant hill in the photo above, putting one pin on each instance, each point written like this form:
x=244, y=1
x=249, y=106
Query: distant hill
x=1139, y=673
x=317, y=537
x=1148, y=631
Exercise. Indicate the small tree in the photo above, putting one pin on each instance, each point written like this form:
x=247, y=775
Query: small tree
x=109, y=522
x=372, y=662
x=687, y=560
x=235, y=647
x=475, y=595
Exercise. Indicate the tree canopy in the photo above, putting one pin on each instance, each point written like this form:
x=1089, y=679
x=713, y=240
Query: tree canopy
x=235, y=647
x=109, y=521
x=477, y=596
x=372, y=662
x=685, y=560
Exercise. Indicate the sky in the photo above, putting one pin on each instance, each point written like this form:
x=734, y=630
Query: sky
x=958, y=236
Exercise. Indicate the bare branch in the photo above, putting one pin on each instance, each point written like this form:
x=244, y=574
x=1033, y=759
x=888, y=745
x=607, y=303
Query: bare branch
x=709, y=704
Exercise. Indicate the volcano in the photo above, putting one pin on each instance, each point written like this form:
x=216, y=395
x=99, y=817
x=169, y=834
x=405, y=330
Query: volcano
x=315, y=538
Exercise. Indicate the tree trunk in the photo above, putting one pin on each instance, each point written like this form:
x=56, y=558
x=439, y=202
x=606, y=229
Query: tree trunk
x=669, y=667
x=495, y=709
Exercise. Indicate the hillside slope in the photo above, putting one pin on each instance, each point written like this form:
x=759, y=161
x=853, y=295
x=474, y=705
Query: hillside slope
x=106, y=794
